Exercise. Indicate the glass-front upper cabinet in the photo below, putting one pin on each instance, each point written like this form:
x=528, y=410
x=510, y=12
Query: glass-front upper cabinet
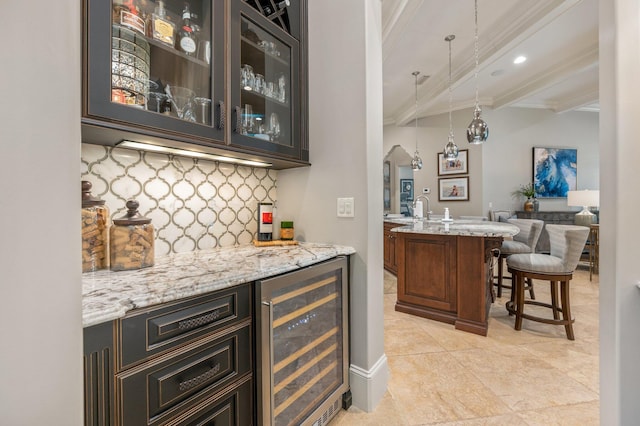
x=265, y=78
x=155, y=67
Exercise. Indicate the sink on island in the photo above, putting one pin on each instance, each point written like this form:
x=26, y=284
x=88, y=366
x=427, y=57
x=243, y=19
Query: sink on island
x=444, y=270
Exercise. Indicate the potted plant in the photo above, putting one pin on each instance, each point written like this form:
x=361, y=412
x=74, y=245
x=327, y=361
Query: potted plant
x=528, y=191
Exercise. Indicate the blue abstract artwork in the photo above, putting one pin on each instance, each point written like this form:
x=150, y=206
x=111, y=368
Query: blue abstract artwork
x=554, y=171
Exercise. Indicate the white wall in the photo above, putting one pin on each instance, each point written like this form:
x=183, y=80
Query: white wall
x=433, y=134
x=507, y=156
x=345, y=88
x=40, y=270
x=619, y=271
x=504, y=162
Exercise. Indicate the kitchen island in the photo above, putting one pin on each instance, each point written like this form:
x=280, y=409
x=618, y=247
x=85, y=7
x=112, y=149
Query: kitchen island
x=444, y=270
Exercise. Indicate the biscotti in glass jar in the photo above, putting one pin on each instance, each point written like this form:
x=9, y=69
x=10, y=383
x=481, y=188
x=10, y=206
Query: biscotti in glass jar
x=95, y=231
x=132, y=240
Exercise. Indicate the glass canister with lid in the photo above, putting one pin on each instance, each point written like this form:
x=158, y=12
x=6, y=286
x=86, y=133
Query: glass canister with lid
x=131, y=240
x=95, y=231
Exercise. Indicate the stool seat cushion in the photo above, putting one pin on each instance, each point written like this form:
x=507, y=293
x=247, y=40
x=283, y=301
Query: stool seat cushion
x=538, y=263
x=513, y=247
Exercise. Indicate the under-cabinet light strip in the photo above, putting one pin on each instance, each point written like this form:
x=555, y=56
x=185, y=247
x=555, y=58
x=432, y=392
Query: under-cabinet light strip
x=188, y=153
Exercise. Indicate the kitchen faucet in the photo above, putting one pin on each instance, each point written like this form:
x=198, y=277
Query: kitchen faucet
x=428, y=206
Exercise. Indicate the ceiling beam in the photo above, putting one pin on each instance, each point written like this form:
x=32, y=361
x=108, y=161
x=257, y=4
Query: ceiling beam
x=520, y=25
x=555, y=74
x=399, y=14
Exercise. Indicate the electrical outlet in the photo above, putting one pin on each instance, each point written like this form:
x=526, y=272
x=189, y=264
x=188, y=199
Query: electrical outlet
x=426, y=190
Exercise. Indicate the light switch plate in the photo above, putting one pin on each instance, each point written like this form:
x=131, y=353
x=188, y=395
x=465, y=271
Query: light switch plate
x=346, y=207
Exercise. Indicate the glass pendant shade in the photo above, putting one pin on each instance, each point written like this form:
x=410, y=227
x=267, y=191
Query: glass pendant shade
x=416, y=161
x=450, y=149
x=478, y=130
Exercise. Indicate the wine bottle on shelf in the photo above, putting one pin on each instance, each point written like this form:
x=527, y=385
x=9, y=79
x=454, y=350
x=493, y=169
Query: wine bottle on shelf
x=268, y=8
x=186, y=37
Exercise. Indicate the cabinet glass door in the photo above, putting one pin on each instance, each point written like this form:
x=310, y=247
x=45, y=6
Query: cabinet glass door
x=156, y=64
x=265, y=90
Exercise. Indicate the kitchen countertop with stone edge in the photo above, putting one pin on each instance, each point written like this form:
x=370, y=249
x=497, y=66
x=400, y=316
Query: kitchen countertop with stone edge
x=108, y=295
x=473, y=228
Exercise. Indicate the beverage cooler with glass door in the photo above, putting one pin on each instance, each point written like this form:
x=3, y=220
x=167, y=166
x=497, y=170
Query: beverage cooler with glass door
x=302, y=345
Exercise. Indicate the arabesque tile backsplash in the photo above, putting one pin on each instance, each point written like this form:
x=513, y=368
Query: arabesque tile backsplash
x=193, y=204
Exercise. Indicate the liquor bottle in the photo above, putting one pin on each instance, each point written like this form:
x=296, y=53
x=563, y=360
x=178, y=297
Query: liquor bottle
x=162, y=29
x=186, y=37
x=129, y=15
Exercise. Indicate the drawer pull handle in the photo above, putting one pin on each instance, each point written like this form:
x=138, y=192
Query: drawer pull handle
x=198, y=380
x=222, y=115
x=197, y=322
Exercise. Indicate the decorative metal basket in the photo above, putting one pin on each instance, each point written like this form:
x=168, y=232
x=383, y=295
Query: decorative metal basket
x=130, y=59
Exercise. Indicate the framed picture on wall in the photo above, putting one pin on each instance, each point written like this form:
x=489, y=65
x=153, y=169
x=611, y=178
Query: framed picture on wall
x=453, y=189
x=555, y=171
x=406, y=187
x=459, y=166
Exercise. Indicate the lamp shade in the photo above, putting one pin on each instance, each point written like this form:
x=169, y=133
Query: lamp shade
x=585, y=198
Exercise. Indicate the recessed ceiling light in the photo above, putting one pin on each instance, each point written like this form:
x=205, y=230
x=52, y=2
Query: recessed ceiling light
x=520, y=59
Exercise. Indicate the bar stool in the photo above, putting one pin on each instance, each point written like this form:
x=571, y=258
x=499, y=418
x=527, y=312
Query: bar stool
x=567, y=243
x=523, y=242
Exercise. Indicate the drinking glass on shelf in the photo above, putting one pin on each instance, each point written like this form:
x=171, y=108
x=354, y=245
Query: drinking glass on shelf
x=247, y=77
x=259, y=84
x=181, y=98
x=203, y=112
x=247, y=119
x=204, y=51
x=282, y=88
x=274, y=126
x=268, y=89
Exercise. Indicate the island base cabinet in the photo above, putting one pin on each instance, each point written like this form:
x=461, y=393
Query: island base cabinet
x=446, y=278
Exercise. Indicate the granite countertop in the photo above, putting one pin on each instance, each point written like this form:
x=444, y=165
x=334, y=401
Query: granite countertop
x=473, y=228
x=108, y=295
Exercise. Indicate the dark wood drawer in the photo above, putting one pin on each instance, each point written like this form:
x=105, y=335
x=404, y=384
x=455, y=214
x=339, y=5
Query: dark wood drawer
x=169, y=386
x=233, y=408
x=153, y=331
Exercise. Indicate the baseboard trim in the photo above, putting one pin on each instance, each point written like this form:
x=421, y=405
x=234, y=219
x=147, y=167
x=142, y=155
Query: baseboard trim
x=369, y=386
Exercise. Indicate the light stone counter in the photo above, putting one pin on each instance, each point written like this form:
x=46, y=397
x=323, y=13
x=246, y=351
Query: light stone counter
x=110, y=295
x=473, y=228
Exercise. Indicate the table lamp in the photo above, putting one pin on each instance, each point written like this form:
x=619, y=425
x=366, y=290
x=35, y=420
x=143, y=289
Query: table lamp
x=584, y=199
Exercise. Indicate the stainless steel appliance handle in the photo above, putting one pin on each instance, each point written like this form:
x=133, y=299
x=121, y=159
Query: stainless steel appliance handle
x=269, y=321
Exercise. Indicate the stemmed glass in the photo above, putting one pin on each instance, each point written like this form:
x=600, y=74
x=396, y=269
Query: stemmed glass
x=181, y=99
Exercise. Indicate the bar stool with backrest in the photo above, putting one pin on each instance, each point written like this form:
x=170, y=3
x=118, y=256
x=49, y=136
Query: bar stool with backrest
x=567, y=243
x=523, y=242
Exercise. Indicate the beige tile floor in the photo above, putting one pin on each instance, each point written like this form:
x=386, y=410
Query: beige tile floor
x=439, y=375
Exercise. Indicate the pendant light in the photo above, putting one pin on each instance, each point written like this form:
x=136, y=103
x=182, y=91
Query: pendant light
x=416, y=161
x=478, y=130
x=450, y=149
